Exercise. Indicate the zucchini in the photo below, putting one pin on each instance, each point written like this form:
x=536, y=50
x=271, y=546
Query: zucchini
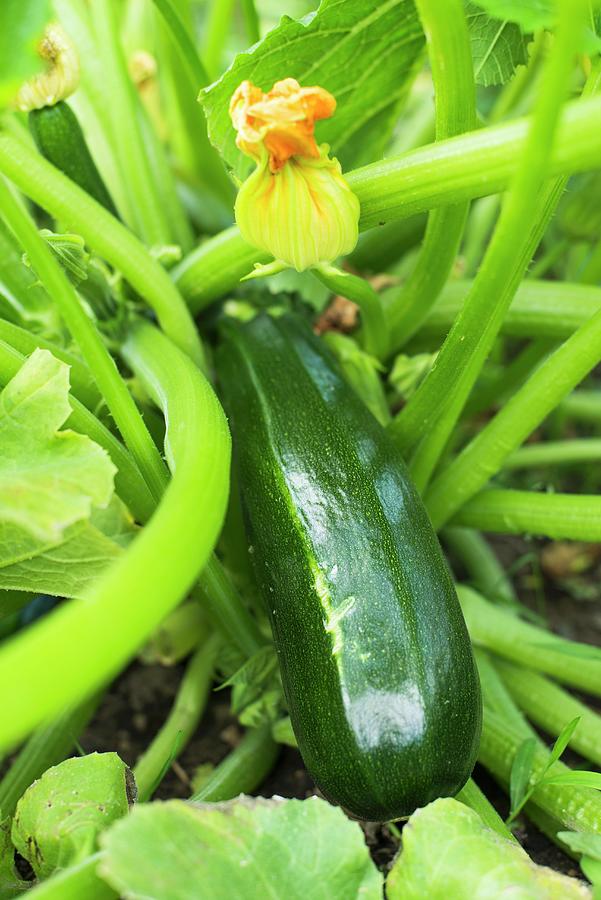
x=59, y=138
x=375, y=658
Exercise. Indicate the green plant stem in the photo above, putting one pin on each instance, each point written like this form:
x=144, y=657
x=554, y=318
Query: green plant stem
x=98, y=636
x=431, y=414
x=553, y=380
x=584, y=406
x=556, y=251
x=101, y=364
x=217, y=28
x=578, y=809
x=251, y=21
x=243, y=770
x=480, y=223
x=550, y=707
x=471, y=795
x=484, y=569
x=496, y=697
x=75, y=883
x=507, y=378
x=540, y=309
x=226, y=610
x=447, y=172
x=104, y=234
x=182, y=721
x=363, y=294
x=555, y=453
x=124, y=117
x=177, y=635
x=450, y=57
x=574, y=664
x=46, y=747
x=591, y=274
x=574, y=517
x=80, y=377
x=197, y=73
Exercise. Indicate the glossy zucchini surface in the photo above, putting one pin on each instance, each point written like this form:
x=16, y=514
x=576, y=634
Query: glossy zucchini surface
x=375, y=657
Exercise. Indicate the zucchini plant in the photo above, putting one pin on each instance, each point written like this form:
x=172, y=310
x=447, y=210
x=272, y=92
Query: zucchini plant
x=296, y=318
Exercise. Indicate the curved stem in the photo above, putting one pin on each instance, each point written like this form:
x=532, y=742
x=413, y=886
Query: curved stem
x=362, y=293
x=243, y=770
x=455, y=99
x=98, y=636
x=555, y=453
x=483, y=568
x=101, y=364
x=104, y=234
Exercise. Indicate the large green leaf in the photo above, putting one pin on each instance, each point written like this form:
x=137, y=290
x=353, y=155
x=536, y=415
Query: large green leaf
x=498, y=47
x=68, y=569
x=363, y=51
x=22, y=23
x=449, y=852
x=530, y=15
x=49, y=479
x=58, y=819
x=239, y=850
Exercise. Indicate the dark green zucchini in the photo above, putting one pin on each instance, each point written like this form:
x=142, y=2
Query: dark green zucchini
x=59, y=138
x=375, y=657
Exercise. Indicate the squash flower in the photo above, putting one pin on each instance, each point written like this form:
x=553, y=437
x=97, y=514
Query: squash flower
x=61, y=76
x=296, y=204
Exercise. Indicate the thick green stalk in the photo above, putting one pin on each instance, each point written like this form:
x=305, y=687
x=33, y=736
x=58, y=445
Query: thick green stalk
x=182, y=721
x=217, y=28
x=555, y=453
x=540, y=309
x=553, y=380
x=46, y=747
x=75, y=883
x=447, y=172
x=472, y=796
x=197, y=74
x=367, y=299
x=122, y=105
x=104, y=234
x=431, y=414
x=243, y=770
x=572, y=663
x=574, y=517
x=550, y=707
x=578, y=809
x=251, y=21
x=98, y=636
x=483, y=568
x=450, y=57
x=99, y=361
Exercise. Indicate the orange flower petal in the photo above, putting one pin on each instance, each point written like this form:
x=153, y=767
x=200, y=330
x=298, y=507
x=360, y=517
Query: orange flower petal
x=282, y=121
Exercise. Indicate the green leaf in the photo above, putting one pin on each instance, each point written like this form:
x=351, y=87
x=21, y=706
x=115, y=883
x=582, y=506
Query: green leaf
x=449, y=852
x=576, y=778
x=521, y=772
x=362, y=371
x=49, y=479
x=498, y=47
x=10, y=883
x=70, y=568
x=22, y=24
x=562, y=741
x=58, y=819
x=582, y=842
x=24, y=300
x=530, y=15
x=256, y=689
x=245, y=848
x=363, y=51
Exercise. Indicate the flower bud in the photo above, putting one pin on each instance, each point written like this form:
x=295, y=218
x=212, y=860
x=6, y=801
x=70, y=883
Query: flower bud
x=296, y=205
x=61, y=77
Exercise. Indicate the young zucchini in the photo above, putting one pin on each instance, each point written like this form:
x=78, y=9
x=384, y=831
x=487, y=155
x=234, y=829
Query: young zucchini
x=59, y=138
x=375, y=657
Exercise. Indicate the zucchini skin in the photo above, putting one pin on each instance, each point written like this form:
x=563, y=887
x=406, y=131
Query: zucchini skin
x=375, y=658
x=59, y=138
